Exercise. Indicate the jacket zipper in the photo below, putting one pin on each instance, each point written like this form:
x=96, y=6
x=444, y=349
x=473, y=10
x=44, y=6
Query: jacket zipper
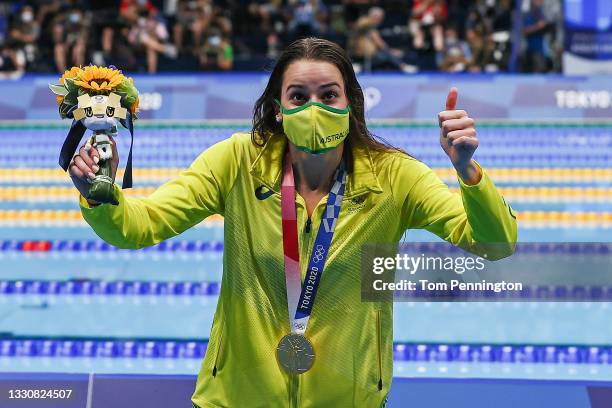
x=378, y=341
x=214, y=371
x=306, y=241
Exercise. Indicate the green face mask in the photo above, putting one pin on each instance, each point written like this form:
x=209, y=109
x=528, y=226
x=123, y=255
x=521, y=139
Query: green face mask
x=315, y=127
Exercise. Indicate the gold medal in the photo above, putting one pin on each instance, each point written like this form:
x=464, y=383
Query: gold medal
x=295, y=353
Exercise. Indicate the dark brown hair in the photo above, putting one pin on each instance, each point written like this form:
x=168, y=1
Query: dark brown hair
x=264, y=115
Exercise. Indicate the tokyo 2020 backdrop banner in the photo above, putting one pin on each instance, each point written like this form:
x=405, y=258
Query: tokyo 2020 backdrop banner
x=588, y=37
x=390, y=96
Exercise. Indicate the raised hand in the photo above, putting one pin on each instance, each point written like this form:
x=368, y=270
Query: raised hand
x=458, y=138
x=84, y=165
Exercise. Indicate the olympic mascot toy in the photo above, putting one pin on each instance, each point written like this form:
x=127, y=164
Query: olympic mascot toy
x=98, y=99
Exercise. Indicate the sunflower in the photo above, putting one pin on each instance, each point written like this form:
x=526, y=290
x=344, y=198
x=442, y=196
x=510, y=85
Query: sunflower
x=59, y=99
x=99, y=78
x=71, y=73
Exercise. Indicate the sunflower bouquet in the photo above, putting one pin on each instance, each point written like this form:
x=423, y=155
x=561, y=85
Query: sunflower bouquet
x=97, y=98
x=94, y=80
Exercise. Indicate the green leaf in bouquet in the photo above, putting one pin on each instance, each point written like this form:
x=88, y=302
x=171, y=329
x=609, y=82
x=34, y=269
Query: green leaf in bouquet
x=58, y=89
x=69, y=84
x=71, y=99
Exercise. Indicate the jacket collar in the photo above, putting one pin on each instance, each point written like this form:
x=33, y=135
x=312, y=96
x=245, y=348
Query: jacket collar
x=267, y=167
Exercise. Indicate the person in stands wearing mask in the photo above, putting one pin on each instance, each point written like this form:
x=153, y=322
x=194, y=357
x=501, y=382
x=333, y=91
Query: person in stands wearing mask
x=24, y=33
x=217, y=53
x=301, y=193
x=457, y=55
x=70, y=39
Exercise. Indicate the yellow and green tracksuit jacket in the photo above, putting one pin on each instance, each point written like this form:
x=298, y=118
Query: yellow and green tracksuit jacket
x=386, y=193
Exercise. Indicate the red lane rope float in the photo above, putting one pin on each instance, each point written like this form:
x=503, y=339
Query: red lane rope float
x=36, y=246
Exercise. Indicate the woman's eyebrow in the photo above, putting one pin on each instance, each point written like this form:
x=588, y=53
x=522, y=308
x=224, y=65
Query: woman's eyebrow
x=329, y=84
x=295, y=86
x=301, y=86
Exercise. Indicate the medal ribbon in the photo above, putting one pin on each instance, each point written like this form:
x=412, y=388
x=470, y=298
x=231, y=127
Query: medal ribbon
x=300, y=298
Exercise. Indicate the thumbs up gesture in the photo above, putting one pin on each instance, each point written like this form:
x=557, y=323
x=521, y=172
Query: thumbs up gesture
x=458, y=139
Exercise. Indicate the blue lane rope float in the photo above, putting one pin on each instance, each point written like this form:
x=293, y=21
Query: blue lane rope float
x=89, y=287
x=102, y=348
x=63, y=245
x=596, y=160
x=405, y=352
x=474, y=353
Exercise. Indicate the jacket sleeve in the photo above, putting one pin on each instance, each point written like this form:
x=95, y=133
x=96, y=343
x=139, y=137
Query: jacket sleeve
x=478, y=219
x=197, y=192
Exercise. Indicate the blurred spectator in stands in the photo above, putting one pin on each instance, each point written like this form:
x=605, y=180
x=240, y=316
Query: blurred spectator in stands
x=4, y=16
x=457, y=14
x=501, y=35
x=457, y=55
x=266, y=13
x=306, y=18
x=70, y=38
x=194, y=16
x=553, y=39
x=217, y=52
x=24, y=33
x=353, y=9
x=122, y=51
x=501, y=19
x=262, y=24
x=105, y=32
x=130, y=11
x=428, y=17
x=12, y=60
x=535, y=27
x=337, y=20
x=54, y=34
x=478, y=36
x=151, y=34
x=366, y=44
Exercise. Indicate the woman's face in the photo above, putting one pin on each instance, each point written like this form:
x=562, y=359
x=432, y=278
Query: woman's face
x=312, y=81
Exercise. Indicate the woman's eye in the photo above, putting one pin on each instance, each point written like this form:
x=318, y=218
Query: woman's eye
x=330, y=95
x=297, y=98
